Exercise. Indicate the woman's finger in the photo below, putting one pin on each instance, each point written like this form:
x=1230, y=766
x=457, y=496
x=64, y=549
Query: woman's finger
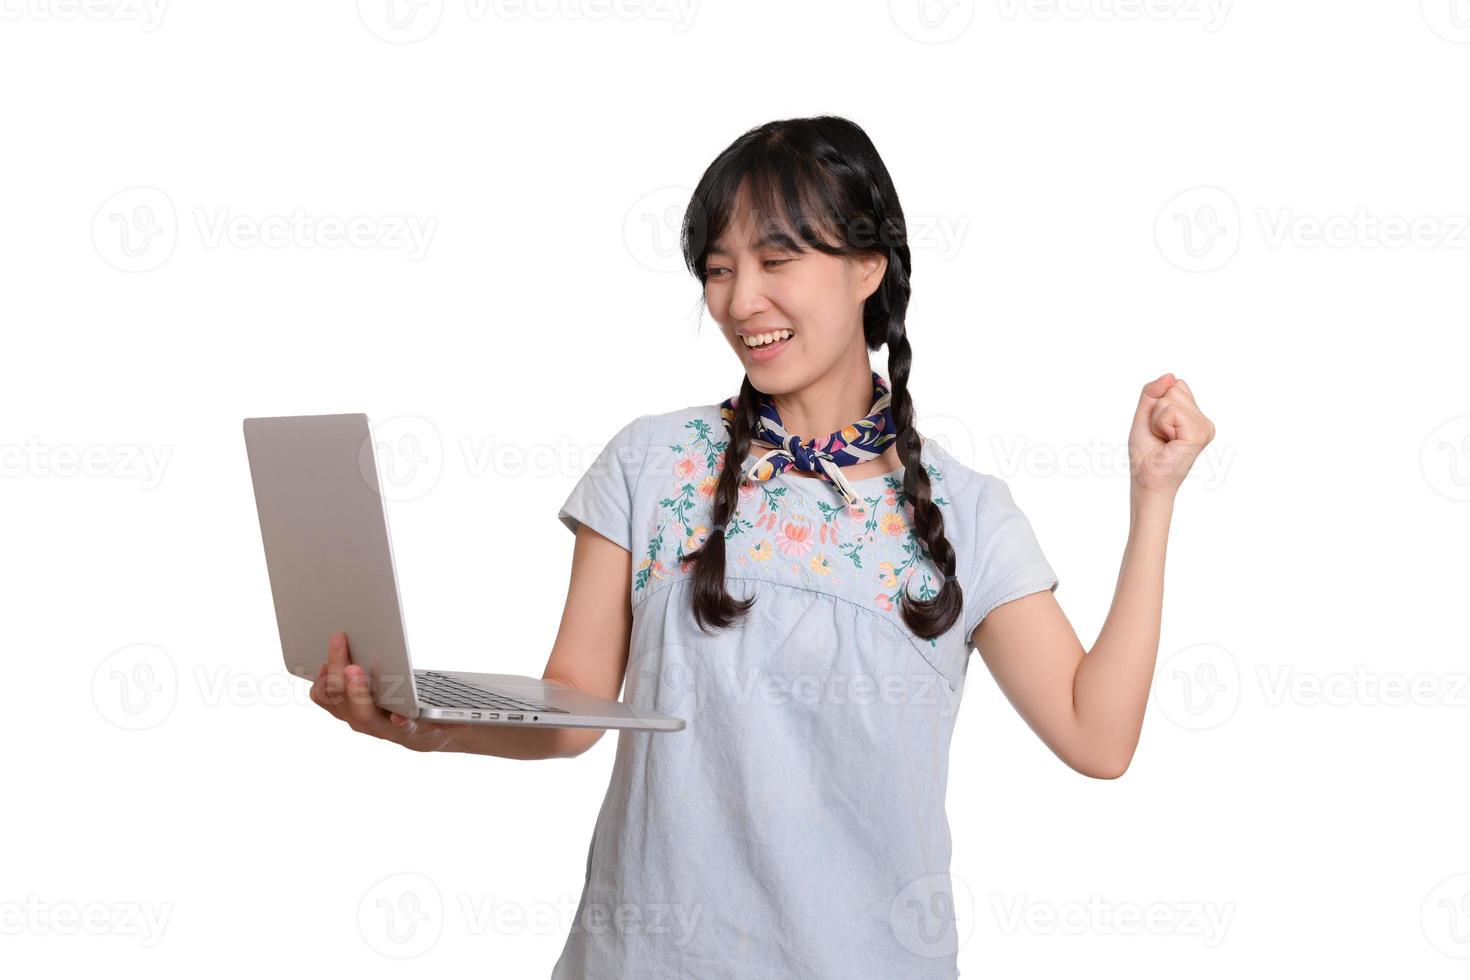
x=362, y=711
x=334, y=685
x=1186, y=393
x=1165, y=420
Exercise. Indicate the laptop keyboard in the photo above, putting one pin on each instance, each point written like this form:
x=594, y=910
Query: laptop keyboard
x=443, y=691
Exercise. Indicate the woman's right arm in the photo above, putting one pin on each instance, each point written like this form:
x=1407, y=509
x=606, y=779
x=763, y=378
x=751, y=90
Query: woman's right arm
x=590, y=653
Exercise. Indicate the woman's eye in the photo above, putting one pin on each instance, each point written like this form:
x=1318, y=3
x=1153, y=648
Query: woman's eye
x=712, y=272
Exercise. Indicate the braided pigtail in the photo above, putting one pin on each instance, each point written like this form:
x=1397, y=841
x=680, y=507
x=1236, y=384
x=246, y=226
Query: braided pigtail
x=712, y=604
x=935, y=611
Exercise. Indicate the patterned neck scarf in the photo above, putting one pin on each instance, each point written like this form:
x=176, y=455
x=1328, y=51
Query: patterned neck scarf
x=863, y=440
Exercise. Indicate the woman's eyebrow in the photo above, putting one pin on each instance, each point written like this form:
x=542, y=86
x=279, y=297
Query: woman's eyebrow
x=771, y=239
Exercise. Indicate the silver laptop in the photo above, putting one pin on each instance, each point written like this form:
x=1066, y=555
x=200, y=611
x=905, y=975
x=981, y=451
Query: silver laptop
x=324, y=524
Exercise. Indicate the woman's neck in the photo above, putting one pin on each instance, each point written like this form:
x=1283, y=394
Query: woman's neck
x=832, y=402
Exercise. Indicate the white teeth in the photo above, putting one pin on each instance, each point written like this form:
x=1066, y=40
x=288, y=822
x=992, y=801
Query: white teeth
x=763, y=338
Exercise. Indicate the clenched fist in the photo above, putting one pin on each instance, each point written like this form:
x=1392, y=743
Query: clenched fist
x=1169, y=432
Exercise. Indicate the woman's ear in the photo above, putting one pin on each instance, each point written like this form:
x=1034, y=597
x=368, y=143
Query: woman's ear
x=871, y=269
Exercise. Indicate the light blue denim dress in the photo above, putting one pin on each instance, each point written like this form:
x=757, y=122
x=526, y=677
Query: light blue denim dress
x=796, y=826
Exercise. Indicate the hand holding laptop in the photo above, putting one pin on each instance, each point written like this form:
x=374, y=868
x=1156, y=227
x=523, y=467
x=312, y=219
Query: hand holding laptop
x=344, y=689
x=324, y=525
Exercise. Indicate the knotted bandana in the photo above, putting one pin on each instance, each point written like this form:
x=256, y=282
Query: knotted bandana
x=863, y=440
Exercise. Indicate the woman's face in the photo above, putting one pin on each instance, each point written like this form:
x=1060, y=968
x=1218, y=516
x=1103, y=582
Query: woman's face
x=757, y=284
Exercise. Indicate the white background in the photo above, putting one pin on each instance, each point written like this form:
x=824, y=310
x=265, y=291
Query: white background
x=1098, y=192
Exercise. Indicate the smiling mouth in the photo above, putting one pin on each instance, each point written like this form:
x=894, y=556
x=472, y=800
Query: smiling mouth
x=774, y=337
x=766, y=351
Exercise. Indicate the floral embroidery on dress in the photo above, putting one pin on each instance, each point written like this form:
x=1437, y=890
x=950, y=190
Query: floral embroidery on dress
x=822, y=544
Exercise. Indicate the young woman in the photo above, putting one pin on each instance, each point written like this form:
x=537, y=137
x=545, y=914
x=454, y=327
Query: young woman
x=801, y=576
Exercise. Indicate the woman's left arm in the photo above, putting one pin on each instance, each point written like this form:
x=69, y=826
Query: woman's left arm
x=1088, y=706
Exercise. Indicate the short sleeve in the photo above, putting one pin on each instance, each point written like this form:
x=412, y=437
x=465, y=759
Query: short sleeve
x=1008, y=562
x=602, y=498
